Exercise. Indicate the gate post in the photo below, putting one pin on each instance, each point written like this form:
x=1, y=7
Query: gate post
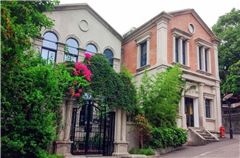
x=120, y=143
x=63, y=145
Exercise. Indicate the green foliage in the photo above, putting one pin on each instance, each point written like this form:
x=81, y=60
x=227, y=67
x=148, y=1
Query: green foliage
x=30, y=106
x=116, y=89
x=144, y=151
x=158, y=97
x=31, y=91
x=232, y=83
x=227, y=29
x=168, y=137
x=143, y=128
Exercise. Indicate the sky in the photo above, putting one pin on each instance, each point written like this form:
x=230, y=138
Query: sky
x=122, y=15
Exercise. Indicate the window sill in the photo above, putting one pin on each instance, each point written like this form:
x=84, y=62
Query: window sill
x=143, y=68
x=204, y=72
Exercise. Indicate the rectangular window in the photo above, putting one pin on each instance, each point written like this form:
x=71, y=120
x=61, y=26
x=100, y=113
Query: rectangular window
x=206, y=60
x=176, y=50
x=184, y=42
x=208, y=108
x=143, y=54
x=200, y=57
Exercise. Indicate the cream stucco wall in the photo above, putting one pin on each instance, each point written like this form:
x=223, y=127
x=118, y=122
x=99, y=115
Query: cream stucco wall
x=67, y=24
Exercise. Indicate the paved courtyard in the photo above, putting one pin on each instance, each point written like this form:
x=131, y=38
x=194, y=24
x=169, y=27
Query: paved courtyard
x=226, y=148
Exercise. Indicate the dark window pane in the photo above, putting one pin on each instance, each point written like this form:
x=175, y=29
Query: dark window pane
x=184, y=52
x=143, y=59
x=200, y=57
x=109, y=55
x=206, y=60
x=176, y=50
x=91, y=48
x=208, y=108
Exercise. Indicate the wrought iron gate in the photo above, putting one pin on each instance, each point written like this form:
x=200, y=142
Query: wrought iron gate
x=92, y=130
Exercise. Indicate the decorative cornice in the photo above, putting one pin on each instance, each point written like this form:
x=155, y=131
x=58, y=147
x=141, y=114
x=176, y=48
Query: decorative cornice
x=199, y=19
x=202, y=41
x=181, y=32
x=79, y=6
x=146, y=26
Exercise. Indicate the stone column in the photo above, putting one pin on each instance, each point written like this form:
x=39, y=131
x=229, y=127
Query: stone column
x=182, y=104
x=180, y=47
x=203, y=59
x=201, y=106
x=63, y=145
x=120, y=143
x=174, y=47
x=198, y=63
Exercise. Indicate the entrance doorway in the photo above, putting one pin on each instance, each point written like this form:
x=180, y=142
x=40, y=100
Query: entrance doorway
x=92, y=130
x=189, y=111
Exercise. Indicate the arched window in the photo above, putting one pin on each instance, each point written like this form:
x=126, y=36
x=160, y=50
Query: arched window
x=91, y=48
x=49, y=47
x=109, y=55
x=71, y=54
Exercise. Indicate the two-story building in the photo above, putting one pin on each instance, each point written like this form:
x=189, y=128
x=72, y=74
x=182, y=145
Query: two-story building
x=168, y=38
x=79, y=29
x=180, y=37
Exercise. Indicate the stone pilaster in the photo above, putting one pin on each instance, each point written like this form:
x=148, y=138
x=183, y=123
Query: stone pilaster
x=120, y=143
x=63, y=145
x=162, y=29
x=201, y=106
x=218, y=106
x=216, y=61
x=60, y=53
x=182, y=104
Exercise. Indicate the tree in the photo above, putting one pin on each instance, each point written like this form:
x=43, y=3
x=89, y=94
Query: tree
x=31, y=90
x=232, y=83
x=227, y=29
x=159, y=96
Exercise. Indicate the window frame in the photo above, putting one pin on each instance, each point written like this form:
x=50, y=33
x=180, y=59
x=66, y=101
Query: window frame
x=93, y=44
x=143, y=53
x=184, y=37
x=144, y=38
x=208, y=108
x=50, y=49
x=112, y=62
x=69, y=53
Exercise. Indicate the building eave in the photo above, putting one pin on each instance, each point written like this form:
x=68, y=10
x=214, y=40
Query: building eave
x=78, y=6
x=150, y=23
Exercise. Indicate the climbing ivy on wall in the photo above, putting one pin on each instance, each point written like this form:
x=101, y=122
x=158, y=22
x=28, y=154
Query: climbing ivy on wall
x=117, y=90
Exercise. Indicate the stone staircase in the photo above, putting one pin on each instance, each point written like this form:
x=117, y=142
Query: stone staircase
x=201, y=136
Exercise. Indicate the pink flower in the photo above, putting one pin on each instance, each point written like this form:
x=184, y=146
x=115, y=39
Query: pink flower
x=77, y=95
x=88, y=55
x=81, y=69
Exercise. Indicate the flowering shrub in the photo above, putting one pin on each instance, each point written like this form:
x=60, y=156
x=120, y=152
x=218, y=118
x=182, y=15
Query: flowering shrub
x=81, y=76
